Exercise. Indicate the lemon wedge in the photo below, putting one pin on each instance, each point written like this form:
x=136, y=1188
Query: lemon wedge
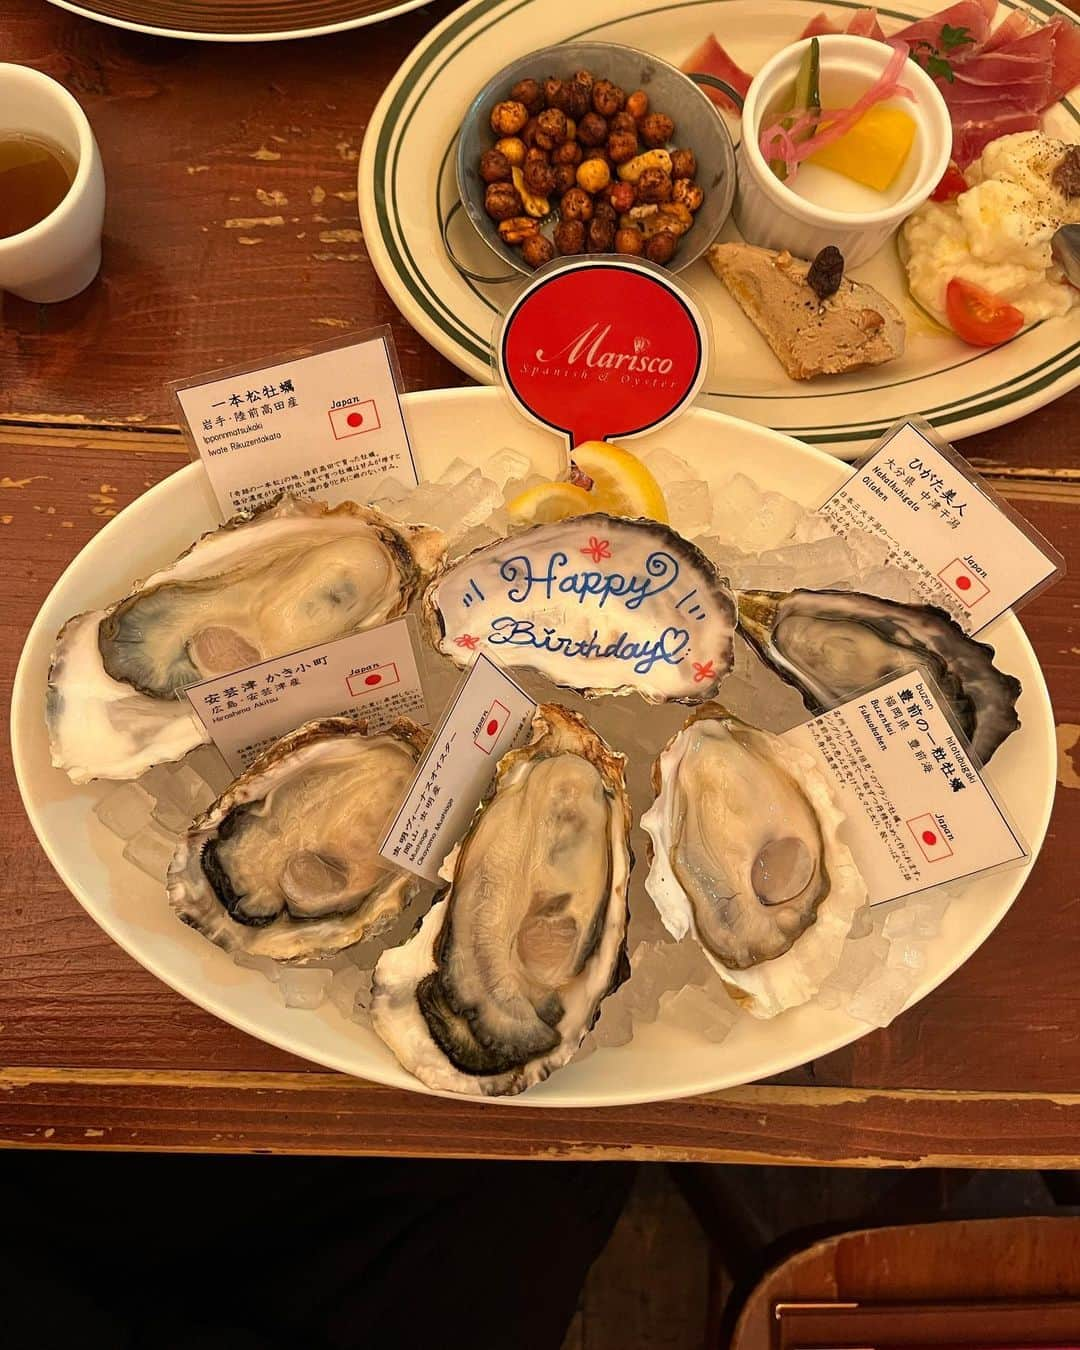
x=622, y=485
x=875, y=149
x=548, y=502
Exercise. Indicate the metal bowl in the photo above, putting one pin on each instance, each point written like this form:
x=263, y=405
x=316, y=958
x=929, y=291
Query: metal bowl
x=698, y=126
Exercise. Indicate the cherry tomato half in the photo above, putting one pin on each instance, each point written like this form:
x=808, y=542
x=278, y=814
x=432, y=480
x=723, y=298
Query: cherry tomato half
x=979, y=317
x=951, y=185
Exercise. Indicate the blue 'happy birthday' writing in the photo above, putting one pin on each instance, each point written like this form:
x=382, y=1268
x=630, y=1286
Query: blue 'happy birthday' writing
x=510, y=632
x=661, y=567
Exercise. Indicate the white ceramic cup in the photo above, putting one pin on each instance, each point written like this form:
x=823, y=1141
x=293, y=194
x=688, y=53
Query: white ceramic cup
x=770, y=214
x=60, y=255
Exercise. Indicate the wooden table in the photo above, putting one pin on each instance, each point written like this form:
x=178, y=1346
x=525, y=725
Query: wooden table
x=231, y=235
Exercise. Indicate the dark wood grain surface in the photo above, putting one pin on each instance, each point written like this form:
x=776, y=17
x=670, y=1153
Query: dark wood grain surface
x=97, y=1052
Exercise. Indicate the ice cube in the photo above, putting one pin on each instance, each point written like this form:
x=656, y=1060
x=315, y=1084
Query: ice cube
x=304, y=987
x=899, y=922
x=869, y=550
x=752, y=520
x=209, y=764
x=189, y=791
x=151, y=850
x=468, y=503
x=506, y=464
x=829, y=998
x=388, y=488
x=811, y=527
x=475, y=538
x=689, y=507
x=756, y=577
x=858, y=961
x=882, y=997
x=668, y=468
x=890, y=583
x=344, y=987
x=906, y=955
x=125, y=809
x=615, y=1025
x=824, y=563
x=697, y=1011
x=927, y=913
x=264, y=964
x=455, y=471
x=170, y=816
x=158, y=781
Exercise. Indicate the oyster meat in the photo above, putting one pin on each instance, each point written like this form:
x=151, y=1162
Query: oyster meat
x=832, y=645
x=746, y=857
x=504, y=977
x=260, y=586
x=597, y=603
x=285, y=863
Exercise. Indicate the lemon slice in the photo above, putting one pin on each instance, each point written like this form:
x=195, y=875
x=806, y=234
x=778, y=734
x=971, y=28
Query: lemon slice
x=622, y=485
x=548, y=502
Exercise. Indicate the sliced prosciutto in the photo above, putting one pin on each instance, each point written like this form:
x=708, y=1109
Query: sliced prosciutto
x=863, y=23
x=1066, y=57
x=970, y=139
x=711, y=59
x=974, y=15
x=819, y=26
x=1017, y=25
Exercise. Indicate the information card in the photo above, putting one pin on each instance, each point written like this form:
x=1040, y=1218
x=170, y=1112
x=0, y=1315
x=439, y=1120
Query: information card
x=489, y=716
x=918, y=811
x=313, y=425
x=965, y=550
x=372, y=675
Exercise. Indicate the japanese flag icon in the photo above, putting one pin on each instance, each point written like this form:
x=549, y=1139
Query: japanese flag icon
x=491, y=727
x=374, y=680
x=928, y=835
x=963, y=582
x=354, y=420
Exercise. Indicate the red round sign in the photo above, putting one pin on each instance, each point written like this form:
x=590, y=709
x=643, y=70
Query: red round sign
x=929, y=837
x=602, y=348
x=373, y=679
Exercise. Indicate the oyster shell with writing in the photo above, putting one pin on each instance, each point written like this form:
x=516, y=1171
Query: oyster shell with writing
x=597, y=603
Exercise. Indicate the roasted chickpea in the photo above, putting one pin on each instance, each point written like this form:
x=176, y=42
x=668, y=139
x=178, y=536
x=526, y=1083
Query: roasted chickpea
x=600, y=235
x=537, y=250
x=502, y=200
x=530, y=94
x=553, y=92
x=494, y=167
x=585, y=77
x=629, y=241
x=687, y=193
x=508, y=118
x=656, y=129
x=577, y=99
x=538, y=174
x=551, y=128
x=637, y=105
x=567, y=153
x=593, y=175
x=621, y=146
x=576, y=205
x=565, y=178
x=570, y=236
x=654, y=185
x=622, y=121
x=661, y=247
x=683, y=164
x=607, y=98
x=517, y=229
x=622, y=196
x=528, y=133
x=592, y=129
x=514, y=150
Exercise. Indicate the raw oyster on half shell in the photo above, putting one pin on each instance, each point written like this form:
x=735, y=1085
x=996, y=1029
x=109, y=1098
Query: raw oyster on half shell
x=832, y=645
x=746, y=857
x=293, y=575
x=285, y=863
x=600, y=604
x=503, y=978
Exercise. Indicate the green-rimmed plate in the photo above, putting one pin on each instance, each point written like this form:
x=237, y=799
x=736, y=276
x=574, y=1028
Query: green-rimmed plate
x=407, y=189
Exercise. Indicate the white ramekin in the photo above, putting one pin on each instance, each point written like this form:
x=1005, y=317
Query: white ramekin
x=769, y=214
x=60, y=255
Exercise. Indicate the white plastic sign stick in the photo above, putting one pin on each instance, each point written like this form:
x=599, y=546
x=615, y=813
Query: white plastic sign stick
x=489, y=715
x=316, y=425
x=918, y=810
x=372, y=675
x=965, y=549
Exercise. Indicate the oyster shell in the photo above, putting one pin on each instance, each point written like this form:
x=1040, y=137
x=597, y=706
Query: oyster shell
x=260, y=586
x=831, y=645
x=747, y=858
x=600, y=604
x=504, y=977
x=285, y=863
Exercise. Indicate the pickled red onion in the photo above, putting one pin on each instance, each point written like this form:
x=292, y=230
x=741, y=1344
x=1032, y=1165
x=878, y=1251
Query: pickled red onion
x=781, y=142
